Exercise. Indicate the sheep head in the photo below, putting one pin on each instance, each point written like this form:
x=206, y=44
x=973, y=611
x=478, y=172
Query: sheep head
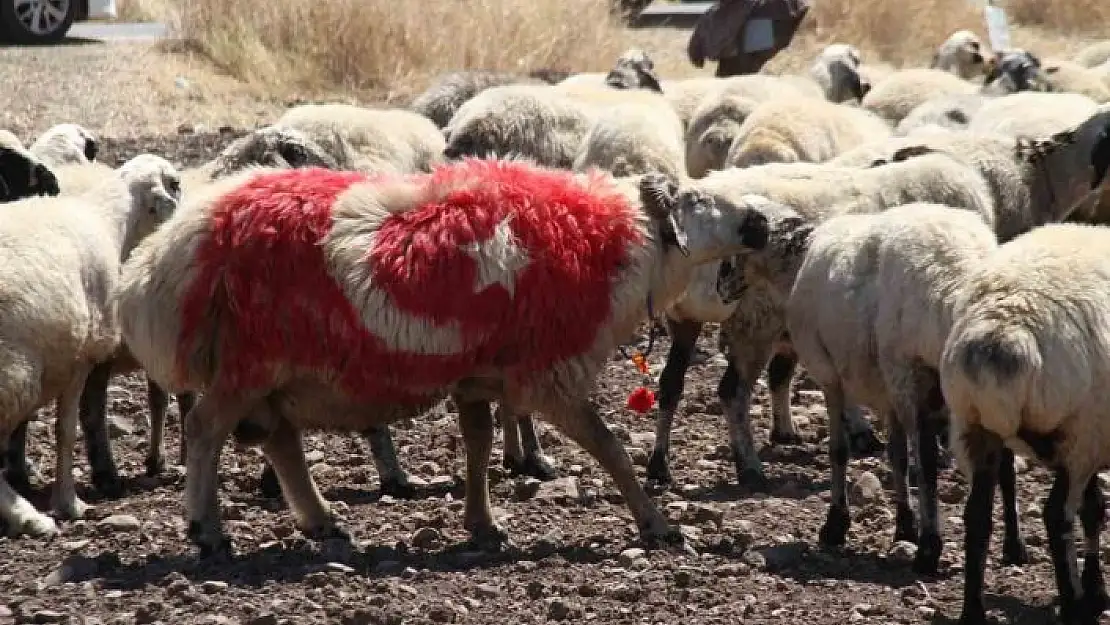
x=1069, y=167
x=154, y=184
x=1010, y=71
x=71, y=143
x=777, y=264
x=634, y=70
x=841, y=62
x=692, y=221
x=285, y=148
x=963, y=52
x=22, y=175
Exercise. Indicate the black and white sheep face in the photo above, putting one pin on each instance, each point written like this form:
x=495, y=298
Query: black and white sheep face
x=787, y=243
x=691, y=221
x=634, y=70
x=23, y=176
x=1016, y=70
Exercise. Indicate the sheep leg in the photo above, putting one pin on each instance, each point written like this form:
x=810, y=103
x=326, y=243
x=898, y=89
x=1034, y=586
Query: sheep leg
x=1013, y=546
x=1092, y=514
x=579, y=420
x=735, y=391
x=476, y=424
x=923, y=454
x=64, y=501
x=835, y=530
x=17, y=466
x=394, y=479
x=185, y=403
x=93, y=415
x=684, y=338
x=159, y=401
x=905, y=523
x=209, y=424
x=523, y=453
x=310, y=510
x=984, y=452
x=1064, y=499
x=780, y=373
x=18, y=514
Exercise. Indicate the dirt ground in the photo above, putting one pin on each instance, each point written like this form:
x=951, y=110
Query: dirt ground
x=758, y=560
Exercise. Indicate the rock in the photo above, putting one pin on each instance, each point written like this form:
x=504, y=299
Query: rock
x=925, y=612
x=639, y=455
x=49, y=616
x=866, y=489
x=71, y=569
x=951, y=493
x=212, y=587
x=119, y=428
x=624, y=592
x=442, y=614
x=5, y=612
x=534, y=589
x=120, y=523
x=706, y=465
x=902, y=551
x=683, y=578
x=559, y=490
x=559, y=609
x=148, y=613
x=732, y=569
x=755, y=560
x=486, y=591
x=339, y=567
x=426, y=538
x=643, y=439
x=743, y=534
x=628, y=556
x=527, y=488
x=705, y=513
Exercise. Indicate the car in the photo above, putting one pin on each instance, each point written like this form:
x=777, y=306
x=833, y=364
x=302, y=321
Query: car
x=47, y=21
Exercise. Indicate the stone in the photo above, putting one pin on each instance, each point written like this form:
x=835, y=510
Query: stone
x=559, y=609
x=560, y=490
x=212, y=587
x=865, y=489
x=120, y=523
x=629, y=556
x=426, y=538
x=902, y=551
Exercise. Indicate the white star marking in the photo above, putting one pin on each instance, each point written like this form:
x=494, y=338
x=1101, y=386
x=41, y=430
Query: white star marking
x=498, y=258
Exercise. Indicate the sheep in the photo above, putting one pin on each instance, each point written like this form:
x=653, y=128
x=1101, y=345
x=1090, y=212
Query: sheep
x=1031, y=113
x=713, y=126
x=868, y=313
x=367, y=368
x=1023, y=368
x=1014, y=184
x=786, y=131
x=62, y=259
x=687, y=95
x=1068, y=77
x=9, y=141
x=540, y=123
x=634, y=139
x=633, y=69
x=65, y=144
x=951, y=112
x=22, y=174
x=1093, y=55
x=1013, y=70
x=396, y=140
x=960, y=54
x=836, y=70
x=442, y=99
x=895, y=96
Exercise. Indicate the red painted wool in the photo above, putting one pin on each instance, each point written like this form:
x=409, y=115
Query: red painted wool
x=263, y=265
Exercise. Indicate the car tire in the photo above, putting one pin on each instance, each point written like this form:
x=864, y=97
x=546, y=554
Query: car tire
x=18, y=25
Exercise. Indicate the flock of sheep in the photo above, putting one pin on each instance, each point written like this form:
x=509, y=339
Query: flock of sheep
x=318, y=273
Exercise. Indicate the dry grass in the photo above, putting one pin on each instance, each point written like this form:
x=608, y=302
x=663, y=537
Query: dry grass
x=144, y=10
x=1090, y=17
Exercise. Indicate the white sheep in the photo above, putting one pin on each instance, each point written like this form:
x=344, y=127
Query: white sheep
x=373, y=361
x=1031, y=113
x=868, y=313
x=712, y=129
x=633, y=69
x=1024, y=367
x=443, y=97
x=951, y=112
x=62, y=257
x=383, y=140
x=9, y=141
x=837, y=71
x=633, y=139
x=1094, y=55
x=899, y=93
x=1068, y=77
x=787, y=131
x=65, y=144
x=961, y=54
x=687, y=95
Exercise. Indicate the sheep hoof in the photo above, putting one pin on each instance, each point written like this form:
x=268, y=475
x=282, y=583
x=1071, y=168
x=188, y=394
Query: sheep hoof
x=785, y=438
x=835, y=530
x=1014, y=553
x=398, y=488
x=537, y=466
x=108, y=483
x=905, y=525
x=35, y=526
x=268, y=484
x=155, y=465
x=866, y=443
x=70, y=508
x=211, y=545
x=927, y=560
x=491, y=539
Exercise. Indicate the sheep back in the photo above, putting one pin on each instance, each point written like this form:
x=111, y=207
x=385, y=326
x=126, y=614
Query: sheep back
x=899, y=93
x=634, y=139
x=386, y=289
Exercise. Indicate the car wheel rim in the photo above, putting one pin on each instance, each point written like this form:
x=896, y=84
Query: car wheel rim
x=41, y=17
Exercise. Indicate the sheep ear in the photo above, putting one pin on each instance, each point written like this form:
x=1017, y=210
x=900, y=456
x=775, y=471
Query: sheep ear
x=649, y=79
x=45, y=180
x=909, y=152
x=1100, y=158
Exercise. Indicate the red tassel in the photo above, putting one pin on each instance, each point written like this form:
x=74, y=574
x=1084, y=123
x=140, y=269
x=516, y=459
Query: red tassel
x=641, y=400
